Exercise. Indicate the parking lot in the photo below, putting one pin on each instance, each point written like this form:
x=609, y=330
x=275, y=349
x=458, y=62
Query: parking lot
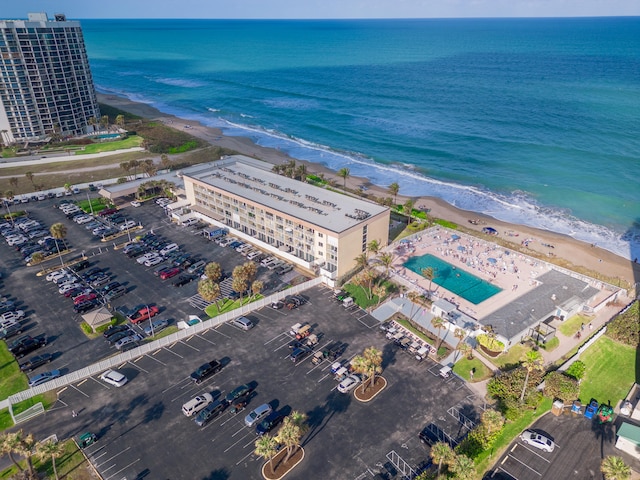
x=51, y=315
x=142, y=431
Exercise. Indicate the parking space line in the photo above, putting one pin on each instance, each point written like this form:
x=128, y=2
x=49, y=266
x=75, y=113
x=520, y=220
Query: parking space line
x=219, y=332
x=153, y=358
x=505, y=471
x=81, y=382
x=61, y=390
x=168, y=349
x=174, y=385
x=100, y=383
x=75, y=388
x=526, y=447
x=112, y=457
x=522, y=463
x=244, y=458
x=185, y=343
x=123, y=468
x=274, y=338
x=201, y=336
x=138, y=366
x=238, y=441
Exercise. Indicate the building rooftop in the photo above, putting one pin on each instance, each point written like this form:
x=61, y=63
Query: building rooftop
x=555, y=290
x=253, y=180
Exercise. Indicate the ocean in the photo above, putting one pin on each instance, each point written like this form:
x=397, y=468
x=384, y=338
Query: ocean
x=532, y=121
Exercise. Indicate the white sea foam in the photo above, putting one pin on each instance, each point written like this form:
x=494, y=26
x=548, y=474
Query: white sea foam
x=177, y=82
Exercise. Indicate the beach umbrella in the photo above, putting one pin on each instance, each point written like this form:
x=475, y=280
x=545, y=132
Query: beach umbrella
x=492, y=261
x=403, y=241
x=461, y=248
x=455, y=237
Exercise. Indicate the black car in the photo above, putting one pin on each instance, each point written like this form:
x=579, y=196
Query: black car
x=238, y=392
x=26, y=344
x=269, y=423
x=91, y=272
x=11, y=330
x=84, y=307
x=109, y=287
x=115, y=293
x=114, y=329
x=7, y=306
x=205, y=371
x=80, y=266
x=182, y=280
x=35, y=362
x=210, y=412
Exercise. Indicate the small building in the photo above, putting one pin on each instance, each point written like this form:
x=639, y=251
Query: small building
x=629, y=439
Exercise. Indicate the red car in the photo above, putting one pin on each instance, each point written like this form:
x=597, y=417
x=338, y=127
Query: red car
x=107, y=211
x=144, y=314
x=170, y=273
x=85, y=297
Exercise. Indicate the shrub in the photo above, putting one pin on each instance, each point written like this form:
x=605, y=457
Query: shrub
x=102, y=328
x=576, y=370
x=472, y=445
x=490, y=343
x=625, y=327
x=509, y=384
x=559, y=385
x=86, y=328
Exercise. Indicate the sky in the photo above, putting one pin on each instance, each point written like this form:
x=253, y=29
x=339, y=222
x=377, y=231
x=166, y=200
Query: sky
x=306, y=9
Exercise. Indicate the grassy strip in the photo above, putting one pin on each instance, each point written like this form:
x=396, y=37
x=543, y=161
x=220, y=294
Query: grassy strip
x=166, y=332
x=509, y=359
x=129, y=142
x=510, y=431
x=406, y=324
x=610, y=371
x=71, y=464
x=13, y=380
x=227, y=305
x=572, y=325
x=464, y=366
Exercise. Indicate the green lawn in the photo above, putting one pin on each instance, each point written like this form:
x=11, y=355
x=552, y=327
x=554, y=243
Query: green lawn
x=13, y=380
x=70, y=465
x=360, y=296
x=464, y=366
x=570, y=326
x=228, y=305
x=509, y=359
x=130, y=142
x=610, y=373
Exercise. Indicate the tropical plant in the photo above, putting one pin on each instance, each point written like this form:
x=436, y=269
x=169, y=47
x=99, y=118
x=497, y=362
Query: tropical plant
x=165, y=161
x=441, y=453
x=407, y=208
x=209, y=290
x=301, y=172
x=531, y=361
x=250, y=271
x=120, y=120
x=344, y=174
x=490, y=342
x=576, y=370
x=256, y=287
x=213, y=271
x=29, y=176
x=126, y=166
x=386, y=259
x=266, y=447
x=438, y=323
x=373, y=247
x=239, y=280
x=52, y=450
x=58, y=232
x=429, y=273
x=614, y=468
x=25, y=447
x=10, y=444
x=368, y=365
x=465, y=349
x=561, y=385
x=462, y=467
x=292, y=429
x=394, y=188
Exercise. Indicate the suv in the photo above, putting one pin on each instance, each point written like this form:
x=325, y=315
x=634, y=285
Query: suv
x=35, y=362
x=242, y=322
x=205, y=371
x=10, y=329
x=25, y=345
x=196, y=404
x=299, y=354
x=269, y=423
x=238, y=392
x=210, y=412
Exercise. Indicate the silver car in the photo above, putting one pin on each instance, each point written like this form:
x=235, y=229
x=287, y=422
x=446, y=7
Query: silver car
x=537, y=440
x=257, y=415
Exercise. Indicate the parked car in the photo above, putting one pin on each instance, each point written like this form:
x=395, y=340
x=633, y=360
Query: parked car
x=150, y=262
x=269, y=423
x=284, y=269
x=26, y=344
x=349, y=383
x=35, y=362
x=85, y=297
x=205, y=371
x=131, y=339
x=196, y=404
x=113, y=377
x=537, y=440
x=183, y=280
x=210, y=412
x=43, y=377
x=115, y=293
x=113, y=329
x=299, y=354
x=238, y=392
x=144, y=314
x=135, y=204
x=170, y=273
x=243, y=323
x=257, y=415
x=84, y=307
x=116, y=337
x=156, y=326
x=10, y=329
x=14, y=315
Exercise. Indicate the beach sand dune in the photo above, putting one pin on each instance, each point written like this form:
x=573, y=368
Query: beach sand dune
x=550, y=244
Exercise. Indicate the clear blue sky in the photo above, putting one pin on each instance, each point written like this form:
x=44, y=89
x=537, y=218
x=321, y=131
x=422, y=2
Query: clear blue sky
x=79, y=9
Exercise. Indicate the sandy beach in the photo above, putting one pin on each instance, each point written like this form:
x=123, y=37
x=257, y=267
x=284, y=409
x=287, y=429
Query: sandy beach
x=550, y=244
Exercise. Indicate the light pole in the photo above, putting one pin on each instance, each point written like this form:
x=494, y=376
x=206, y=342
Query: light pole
x=150, y=321
x=90, y=204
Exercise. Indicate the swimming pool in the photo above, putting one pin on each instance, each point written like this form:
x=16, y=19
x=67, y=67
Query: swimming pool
x=105, y=135
x=454, y=279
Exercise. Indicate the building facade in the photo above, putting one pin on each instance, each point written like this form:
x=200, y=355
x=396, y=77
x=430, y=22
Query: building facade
x=46, y=88
x=318, y=229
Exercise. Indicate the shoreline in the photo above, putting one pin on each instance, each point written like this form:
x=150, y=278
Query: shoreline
x=578, y=253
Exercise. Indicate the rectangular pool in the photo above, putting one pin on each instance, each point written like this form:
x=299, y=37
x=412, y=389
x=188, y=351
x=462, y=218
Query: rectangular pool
x=454, y=279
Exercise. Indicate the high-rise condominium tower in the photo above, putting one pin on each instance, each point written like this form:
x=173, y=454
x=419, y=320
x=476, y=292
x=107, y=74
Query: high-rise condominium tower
x=46, y=88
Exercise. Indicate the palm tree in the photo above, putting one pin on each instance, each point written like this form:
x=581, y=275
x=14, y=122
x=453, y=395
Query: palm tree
x=126, y=166
x=120, y=120
x=250, y=271
x=267, y=447
x=394, y=188
x=440, y=453
x=407, y=208
x=256, y=288
x=301, y=172
x=209, y=291
x=429, y=273
x=29, y=176
x=465, y=349
x=463, y=467
x=52, y=450
x=134, y=164
x=438, y=323
x=532, y=361
x=9, y=444
x=165, y=161
x=344, y=174
x=614, y=468
x=24, y=447
x=239, y=281
x=373, y=247
x=368, y=364
x=58, y=232
x=386, y=259
x=293, y=428
x=213, y=271
x=13, y=181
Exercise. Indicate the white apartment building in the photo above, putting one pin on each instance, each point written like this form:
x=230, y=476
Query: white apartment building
x=46, y=87
x=318, y=229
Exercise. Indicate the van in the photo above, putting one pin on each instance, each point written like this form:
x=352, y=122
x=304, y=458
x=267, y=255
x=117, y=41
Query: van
x=189, y=222
x=194, y=405
x=210, y=412
x=242, y=322
x=168, y=249
x=197, y=266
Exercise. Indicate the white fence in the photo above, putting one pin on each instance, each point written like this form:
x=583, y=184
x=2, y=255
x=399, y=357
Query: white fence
x=28, y=414
x=157, y=344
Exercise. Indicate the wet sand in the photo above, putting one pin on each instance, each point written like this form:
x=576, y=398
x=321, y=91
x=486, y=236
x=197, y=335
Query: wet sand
x=577, y=253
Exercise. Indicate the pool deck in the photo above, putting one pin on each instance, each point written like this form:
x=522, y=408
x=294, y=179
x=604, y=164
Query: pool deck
x=513, y=272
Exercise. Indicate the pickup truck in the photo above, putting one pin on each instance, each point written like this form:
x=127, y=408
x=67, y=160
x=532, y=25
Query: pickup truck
x=205, y=371
x=26, y=344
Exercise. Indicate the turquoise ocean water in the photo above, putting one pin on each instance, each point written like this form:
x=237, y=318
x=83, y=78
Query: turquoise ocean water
x=533, y=121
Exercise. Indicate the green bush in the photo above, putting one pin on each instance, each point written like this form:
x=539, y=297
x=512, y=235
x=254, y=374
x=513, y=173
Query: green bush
x=86, y=328
x=576, y=370
x=625, y=328
x=102, y=328
x=559, y=385
x=490, y=343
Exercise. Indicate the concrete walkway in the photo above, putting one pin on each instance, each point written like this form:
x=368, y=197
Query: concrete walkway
x=55, y=158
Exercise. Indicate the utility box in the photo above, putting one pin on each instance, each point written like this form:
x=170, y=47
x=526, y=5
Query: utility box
x=557, y=408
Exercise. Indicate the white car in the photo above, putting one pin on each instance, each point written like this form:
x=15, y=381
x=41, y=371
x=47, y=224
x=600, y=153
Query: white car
x=12, y=316
x=349, y=383
x=127, y=225
x=57, y=274
x=146, y=257
x=68, y=286
x=196, y=404
x=537, y=440
x=113, y=377
x=153, y=261
x=135, y=203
